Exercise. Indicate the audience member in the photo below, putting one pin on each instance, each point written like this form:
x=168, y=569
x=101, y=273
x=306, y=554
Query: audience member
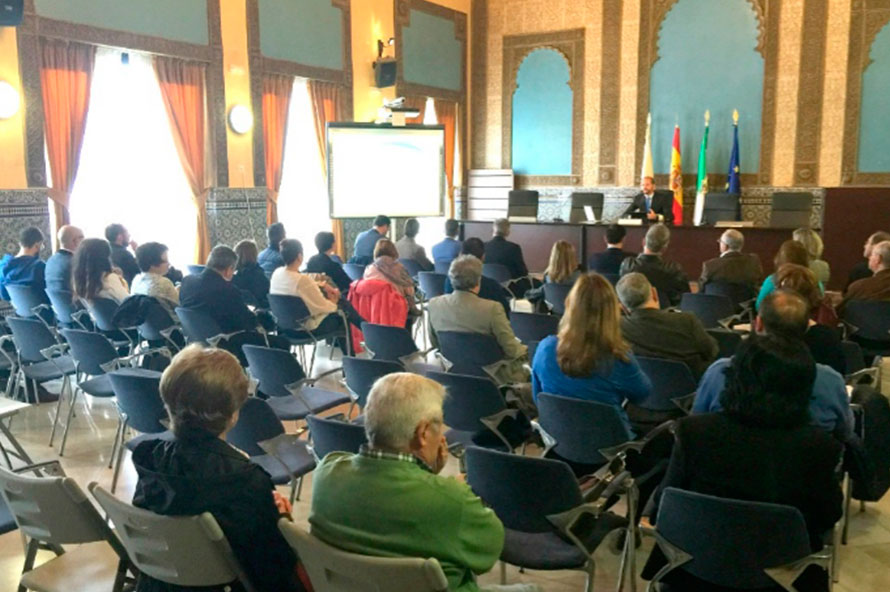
x=322, y=262
x=666, y=276
x=489, y=289
x=119, y=239
x=732, y=266
x=447, y=251
x=93, y=275
x=58, y=266
x=785, y=315
x=408, y=247
x=270, y=257
x=861, y=269
x=791, y=251
x=249, y=276
x=363, y=249
x=760, y=448
x=822, y=335
x=562, y=269
x=26, y=268
x=197, y=471
x=876, y=287
x=413, y=511
x=500, y=251
x=464, y=311
x=660, y=333
x=811, y=240
x=609, y=261
x=386, y=267
x=588, y=359
x=152, y=260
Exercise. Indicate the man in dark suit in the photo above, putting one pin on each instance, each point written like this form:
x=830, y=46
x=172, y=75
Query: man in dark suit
x=609, y=261
x=666, y=276
x=876, y=287
x=861, y=270
x=503, y=252
x=321, y=262
x=119, y=239
x=58, y=266
x=657, y=205
x=732, y=266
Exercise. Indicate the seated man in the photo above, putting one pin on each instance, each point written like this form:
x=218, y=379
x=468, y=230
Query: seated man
x=152, y=260
x=408, y=247
x=270, y=257
x=658, y=206
x=732, y=266
x=666, y=276
x=415, y=512
x=489, y=289
x=197, y=471
x=119, y=239
x=26, y=268
x=609, y=261
x=363, y=249
x=876, y=287
x=503, y=252
x=58, y=266
x=448, y=250
x=322, y=262
x=463, y=310
x=861, y=269
x=660, y=333
x=785, y=314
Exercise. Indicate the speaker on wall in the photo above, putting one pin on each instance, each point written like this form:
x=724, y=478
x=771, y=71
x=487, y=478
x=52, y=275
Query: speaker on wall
x=385, y=72
x=11, y=12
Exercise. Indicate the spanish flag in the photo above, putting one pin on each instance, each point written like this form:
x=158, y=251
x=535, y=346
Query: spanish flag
x=677, y=177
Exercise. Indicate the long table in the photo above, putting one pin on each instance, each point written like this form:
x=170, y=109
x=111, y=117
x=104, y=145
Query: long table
x=690, y=246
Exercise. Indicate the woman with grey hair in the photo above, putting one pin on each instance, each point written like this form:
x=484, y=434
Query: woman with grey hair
x=810, y=239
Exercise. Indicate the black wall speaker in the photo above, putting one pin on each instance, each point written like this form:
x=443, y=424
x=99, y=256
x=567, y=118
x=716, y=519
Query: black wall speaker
x=11, y=12
x=385, y=72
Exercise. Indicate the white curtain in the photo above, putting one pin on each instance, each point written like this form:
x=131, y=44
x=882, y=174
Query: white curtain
x=130, y=172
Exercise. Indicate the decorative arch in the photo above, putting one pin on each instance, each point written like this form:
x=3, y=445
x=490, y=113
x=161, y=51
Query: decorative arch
x=874, y=144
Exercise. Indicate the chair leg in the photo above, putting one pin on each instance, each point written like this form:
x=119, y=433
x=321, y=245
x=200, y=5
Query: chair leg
x=68, y=422
x=33, y=546
x=118, y=439
x=66, y=387
x=503, y=573
x=591, y=576
x=299, y=488
x=849, y=498
x=36, y=398
x=118, y=463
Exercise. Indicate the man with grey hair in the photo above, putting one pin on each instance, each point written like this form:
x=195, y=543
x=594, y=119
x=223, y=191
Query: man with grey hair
x=657, y=333
x=732, y=266
x=877, y=287
x=503, y=252
x=667, y=277
x=388, y=499
x=861, y=270
x=58, y=266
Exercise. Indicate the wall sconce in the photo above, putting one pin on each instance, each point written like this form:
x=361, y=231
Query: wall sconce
x=240, y=119
x=9, y=100
x=381, y=45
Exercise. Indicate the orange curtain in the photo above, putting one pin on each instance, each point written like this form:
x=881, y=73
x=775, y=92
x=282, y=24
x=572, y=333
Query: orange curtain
x=446, y=113
x=276, y=102
x=66, y=70
x=418, y=103
x=182, y=88
x=328, y=104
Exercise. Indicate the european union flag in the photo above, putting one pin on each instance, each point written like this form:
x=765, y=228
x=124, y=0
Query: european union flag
x=733, y=180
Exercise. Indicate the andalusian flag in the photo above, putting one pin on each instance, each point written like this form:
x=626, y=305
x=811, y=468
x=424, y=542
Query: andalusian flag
x=701, y=187
x=677, y=177
x=733, y=182
x=648, y=169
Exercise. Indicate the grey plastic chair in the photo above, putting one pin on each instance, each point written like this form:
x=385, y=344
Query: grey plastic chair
x=333, y=570
x=52, y=512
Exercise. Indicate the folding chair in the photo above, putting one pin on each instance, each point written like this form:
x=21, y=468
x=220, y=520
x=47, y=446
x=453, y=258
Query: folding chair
x=361, y=374
x=354, y=271
x=432, y=284
x=555, y=296
x=102, y=311
x=712, y=311
x=442, y=267
x=727, y=341
x=673, y=390
x=40, y=357
x=470, y=353
x=533, y=327
x=867, y=322
x=290, y=312
x=411, y=266
x=332, y=434
x=69, y=313
x=29, y=302
x=393, y=344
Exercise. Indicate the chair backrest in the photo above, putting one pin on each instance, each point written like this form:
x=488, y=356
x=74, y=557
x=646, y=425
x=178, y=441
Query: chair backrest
x=555, y=295
x=25, y=299
x=736, y=292
x=354, y=271
x=432, y=283
x=411, y=266
x=871, y=319
x=197, y=324
x=90, y=350
x=289, y=311
x=732, y=541
x=330, y=435
x=139, y=398
x=533, y=327
x=62, y=302
x=195, y=269
x=30, y=336
x=670, y=379
x=854, y=358
x=102, y=311
x=257, y=422
x=273, y=368
x=442, y=267
x=334, y=570
x=727, y=341
x=469, y=400
x=522, y=490
x=708, y=308
x=611, y=277
x=581, y=428
x=497, y=272
x=469, y=352
x=388, y=343
x=157, y=319
x=361, y=374
x=177, y=550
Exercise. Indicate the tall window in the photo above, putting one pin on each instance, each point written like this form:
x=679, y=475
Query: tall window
x=129, y=171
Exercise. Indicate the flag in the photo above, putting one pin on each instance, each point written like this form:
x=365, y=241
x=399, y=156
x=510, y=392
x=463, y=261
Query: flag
x=677, y=177
x=701, y=186
x=733, y=182
x=648, y=169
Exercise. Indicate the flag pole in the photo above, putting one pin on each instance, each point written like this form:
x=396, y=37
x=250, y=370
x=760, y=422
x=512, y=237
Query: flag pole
x=702, y=185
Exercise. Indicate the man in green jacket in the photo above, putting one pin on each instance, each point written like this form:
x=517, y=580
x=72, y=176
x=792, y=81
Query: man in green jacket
x=388, y=500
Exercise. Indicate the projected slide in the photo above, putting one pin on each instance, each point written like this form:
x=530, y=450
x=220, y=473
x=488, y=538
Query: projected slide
x=374, y=169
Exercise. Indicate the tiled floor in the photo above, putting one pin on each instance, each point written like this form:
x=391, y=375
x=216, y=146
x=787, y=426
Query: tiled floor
x=864, y=563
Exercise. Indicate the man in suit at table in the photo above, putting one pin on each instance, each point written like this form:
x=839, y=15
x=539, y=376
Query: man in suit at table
x=658, y=206
x=732, y=266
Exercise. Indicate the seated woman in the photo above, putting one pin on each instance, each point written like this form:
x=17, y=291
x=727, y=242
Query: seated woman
x=386, y=267
x=811, y=240
x=408, y=248
x=153, y=281
x=791, y=251
x=822, y=336
x=197, y=471
x=562, y=269
x=249, y=276
x=761, y=448
x=92, y=273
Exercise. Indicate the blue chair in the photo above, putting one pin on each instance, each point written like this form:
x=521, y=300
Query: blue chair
x=29, y=302
x=868, y=324
x=470, y=353
x=102, y=311
x=393, y=344
x=281, y=379
x=259, y=433
x=290, y=312
x=200, y=327
x=541, y=506
x=741, y=295
x=432, y=284
x=361, y=374
x=533, y=327
x=330, y=435
x=578, y=430
x=497, y=272
x=733, y=543
x=671, y=381
x=856, y=369
x=728, y=341
x=555, y=296
x=611, y=277
x=69, y=313
x=159, y=328
x=40, y=357
x=195, y=269
x=411, y=266
x=442, y=267
x=354, y=271
x=713, y=311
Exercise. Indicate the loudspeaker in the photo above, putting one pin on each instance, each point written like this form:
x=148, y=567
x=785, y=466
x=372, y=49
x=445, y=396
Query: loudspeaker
x=385, y=72
x=11, y=12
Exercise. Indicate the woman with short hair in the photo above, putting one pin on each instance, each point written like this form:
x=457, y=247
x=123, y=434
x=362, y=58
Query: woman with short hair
x=93, y=275
x=386, y=267
x=249, y=276
x=811, y=240
x=791, y=251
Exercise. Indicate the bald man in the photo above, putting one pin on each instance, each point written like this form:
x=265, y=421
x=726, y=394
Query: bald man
x=58, y=267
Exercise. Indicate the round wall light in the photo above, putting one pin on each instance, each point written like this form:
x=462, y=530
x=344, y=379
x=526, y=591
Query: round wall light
x=9, y=100
x=240, y=119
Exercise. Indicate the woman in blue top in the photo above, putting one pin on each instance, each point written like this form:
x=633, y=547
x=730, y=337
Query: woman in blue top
x=791, y=251
x=589, y=359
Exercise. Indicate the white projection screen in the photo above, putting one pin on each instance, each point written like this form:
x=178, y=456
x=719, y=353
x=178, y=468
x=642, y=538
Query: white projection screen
x=380, y=169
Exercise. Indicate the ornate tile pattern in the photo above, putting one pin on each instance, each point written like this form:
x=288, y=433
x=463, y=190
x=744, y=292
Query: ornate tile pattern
x=20, y=208
x=236, y=214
